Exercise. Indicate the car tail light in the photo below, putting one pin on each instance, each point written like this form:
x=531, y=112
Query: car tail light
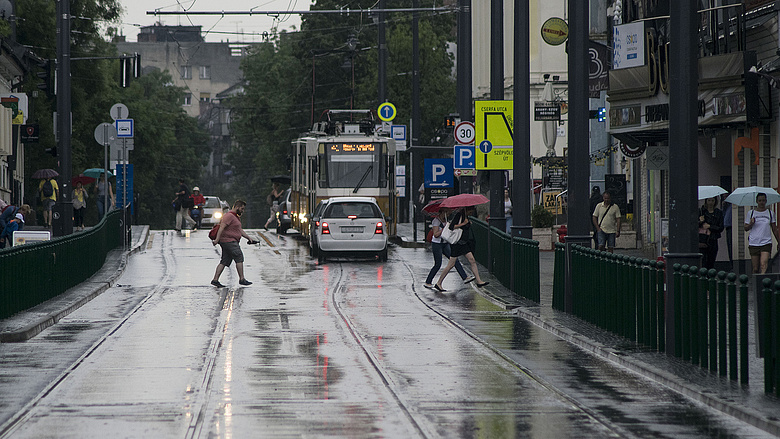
x=316, y=223
x=352, y=216
x=379, y=228
x=325, y=228
x=284, y=212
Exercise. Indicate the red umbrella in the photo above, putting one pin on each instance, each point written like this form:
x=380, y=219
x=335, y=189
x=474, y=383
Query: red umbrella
x=463, y=200
x=432, y=208
x=83, y=179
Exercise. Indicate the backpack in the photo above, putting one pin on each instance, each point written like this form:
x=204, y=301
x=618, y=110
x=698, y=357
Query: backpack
x=215, y=229
x=48, y=189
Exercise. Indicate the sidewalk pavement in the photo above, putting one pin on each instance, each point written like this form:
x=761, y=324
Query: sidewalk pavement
x=26, y=325
x=748, y=403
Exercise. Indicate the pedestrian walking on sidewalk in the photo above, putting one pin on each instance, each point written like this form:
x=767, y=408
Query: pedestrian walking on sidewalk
x=228, y=237
x=761, y=224
x=79, y=198
x=464, y=247
x=606, y=218
x=710, y=228
x=440, y=248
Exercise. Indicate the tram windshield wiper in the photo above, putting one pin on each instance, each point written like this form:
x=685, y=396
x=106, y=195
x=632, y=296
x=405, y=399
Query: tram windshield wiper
x=362, y=179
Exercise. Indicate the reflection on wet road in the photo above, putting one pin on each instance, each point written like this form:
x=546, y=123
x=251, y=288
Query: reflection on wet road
x=349, y=348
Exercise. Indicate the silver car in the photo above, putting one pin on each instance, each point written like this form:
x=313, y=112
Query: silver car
x=213, y=211
x=352, y=225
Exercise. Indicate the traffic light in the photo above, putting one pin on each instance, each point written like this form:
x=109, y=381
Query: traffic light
x=600, y=114
x=52, y=151
x=47, y=78
x=449, y=123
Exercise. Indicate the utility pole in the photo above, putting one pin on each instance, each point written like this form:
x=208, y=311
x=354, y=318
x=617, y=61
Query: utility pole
x=463, y=83
x=521, y=180
x=64, y=224
x=683, y=153
x=382, y=64
x=579, y=141
x=496, y=94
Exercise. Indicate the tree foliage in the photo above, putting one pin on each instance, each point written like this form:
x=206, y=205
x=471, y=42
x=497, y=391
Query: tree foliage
x=168, y=143
x=295, y=76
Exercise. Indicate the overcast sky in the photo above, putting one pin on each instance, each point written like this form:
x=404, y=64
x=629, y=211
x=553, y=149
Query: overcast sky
x=230, y=27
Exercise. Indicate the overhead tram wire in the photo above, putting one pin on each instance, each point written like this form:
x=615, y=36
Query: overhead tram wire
x=311, y=12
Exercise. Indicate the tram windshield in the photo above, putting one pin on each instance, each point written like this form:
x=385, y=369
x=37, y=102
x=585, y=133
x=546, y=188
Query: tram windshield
x=354, y=164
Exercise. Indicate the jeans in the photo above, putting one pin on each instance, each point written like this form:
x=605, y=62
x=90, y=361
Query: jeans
x=440, y=248
x=101, y=207
x=606, y=240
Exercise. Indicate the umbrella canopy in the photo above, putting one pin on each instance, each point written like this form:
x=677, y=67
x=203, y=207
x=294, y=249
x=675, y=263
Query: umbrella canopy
x=463, y=200
x=746, y=196
x=710, y=191
x=281, y=179
x=432, y=208
x=83, y=179
x=45, y=174
x=95, y=172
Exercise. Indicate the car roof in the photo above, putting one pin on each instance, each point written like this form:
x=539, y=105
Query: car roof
x=352, y=199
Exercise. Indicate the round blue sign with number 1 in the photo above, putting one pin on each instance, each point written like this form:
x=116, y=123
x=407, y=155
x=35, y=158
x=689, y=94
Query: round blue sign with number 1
x=485, y=146
x=386, y=111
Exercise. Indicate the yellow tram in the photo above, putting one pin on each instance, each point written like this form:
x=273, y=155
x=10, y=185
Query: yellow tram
x=342, y=156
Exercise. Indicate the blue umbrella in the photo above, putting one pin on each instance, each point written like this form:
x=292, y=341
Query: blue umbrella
x=95, y=172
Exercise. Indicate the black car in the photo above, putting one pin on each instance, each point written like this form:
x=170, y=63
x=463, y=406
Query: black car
x=283, y=219
x=314, y=222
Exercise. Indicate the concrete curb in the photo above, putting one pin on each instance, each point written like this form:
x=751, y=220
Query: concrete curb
x=75, y=297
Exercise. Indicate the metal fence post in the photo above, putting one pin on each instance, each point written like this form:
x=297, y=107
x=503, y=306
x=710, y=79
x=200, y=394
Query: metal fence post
x=743, y=329
x=722, y=331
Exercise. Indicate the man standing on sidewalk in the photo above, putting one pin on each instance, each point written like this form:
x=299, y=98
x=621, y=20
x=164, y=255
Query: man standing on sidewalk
x=228, y=237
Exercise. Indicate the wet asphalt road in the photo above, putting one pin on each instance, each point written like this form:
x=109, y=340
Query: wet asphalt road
x=350, y=348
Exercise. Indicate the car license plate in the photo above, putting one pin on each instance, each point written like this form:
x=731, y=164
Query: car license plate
x=346, y=229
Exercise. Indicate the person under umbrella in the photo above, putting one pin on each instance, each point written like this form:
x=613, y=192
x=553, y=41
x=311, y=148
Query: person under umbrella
x=103, y=189
x=761, y=225
x=80, y=196
x=440, y=248
x=464, y=247
x=710, y=228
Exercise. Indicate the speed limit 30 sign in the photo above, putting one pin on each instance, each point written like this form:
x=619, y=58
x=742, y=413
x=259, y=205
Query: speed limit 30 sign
x=465, y=133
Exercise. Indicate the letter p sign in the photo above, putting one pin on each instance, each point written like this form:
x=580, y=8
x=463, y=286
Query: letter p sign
x=438, y=173
x=464, y=156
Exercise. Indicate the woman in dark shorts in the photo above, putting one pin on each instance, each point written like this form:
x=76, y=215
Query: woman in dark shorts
x=762, y=224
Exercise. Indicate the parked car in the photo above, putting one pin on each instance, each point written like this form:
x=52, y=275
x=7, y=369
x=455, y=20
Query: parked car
x=314, y=223
x=213, y=211
x=352, y=225
x=283, y=219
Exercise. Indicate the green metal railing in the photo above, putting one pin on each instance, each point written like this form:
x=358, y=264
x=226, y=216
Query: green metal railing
x=559, y=277
x=771, y=336
x=34, y=273
x=711, y=324
x=508, y=253
x=621, y=294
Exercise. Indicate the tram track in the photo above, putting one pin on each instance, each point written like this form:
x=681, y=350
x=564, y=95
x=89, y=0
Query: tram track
x=25, y=413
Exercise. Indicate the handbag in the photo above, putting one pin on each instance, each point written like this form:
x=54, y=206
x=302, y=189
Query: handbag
x=451, y=236
x=213, y=232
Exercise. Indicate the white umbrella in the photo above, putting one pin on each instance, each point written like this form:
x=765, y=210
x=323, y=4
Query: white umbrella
x=549, y=128
x=710, y=191
x=746, y=196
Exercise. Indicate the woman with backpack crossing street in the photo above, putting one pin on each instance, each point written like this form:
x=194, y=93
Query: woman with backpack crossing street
x=49, y=190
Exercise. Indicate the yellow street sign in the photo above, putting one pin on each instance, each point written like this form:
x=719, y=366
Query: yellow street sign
x=493, y=124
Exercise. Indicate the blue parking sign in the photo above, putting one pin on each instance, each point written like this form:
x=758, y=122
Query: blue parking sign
x=438, y=173
x=464, y=157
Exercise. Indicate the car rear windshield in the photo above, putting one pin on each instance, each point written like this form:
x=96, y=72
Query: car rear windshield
x=359, y=209
x=212, y=202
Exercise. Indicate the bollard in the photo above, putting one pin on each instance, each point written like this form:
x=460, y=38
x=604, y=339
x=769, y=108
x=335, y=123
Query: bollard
x=743, y=329
x=677, y=324
x=732, y=323
x=769, y=369
x=712, y=321
x=661, y=304
x=722, y=332
x=685, y=307
x=653, y=305
x=701, y=330
x=775, y=353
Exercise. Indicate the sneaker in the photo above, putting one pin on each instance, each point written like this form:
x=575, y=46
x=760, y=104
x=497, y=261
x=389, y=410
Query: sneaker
x=429, y=286
x=469, y=279
x=216, y=284
x=439, y=289
x=244, y=282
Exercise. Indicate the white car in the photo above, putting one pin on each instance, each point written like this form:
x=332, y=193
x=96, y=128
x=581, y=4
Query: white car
x=352, y=225
x=213, y=211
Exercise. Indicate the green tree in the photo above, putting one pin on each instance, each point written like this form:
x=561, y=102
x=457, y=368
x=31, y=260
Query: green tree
x=168, y=143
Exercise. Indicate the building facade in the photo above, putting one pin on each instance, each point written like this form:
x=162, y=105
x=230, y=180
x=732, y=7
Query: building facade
x=203, y=69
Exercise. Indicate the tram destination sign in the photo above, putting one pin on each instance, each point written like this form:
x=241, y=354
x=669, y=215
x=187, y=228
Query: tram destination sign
x=351, y=147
